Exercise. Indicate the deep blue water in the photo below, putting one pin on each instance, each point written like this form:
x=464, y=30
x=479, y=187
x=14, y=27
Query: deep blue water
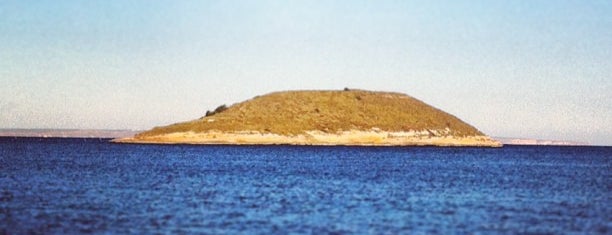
x=90, y=185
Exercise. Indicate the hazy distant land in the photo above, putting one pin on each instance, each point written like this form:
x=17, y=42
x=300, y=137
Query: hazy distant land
x=67, y=133
x=525, y=141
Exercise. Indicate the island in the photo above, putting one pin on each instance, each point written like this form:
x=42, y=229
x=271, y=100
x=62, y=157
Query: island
x=330, y=117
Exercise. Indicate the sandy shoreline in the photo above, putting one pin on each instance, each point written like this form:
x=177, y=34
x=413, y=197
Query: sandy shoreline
x=354, y=138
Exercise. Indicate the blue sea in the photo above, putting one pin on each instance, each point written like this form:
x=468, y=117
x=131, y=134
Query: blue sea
x=62, y=185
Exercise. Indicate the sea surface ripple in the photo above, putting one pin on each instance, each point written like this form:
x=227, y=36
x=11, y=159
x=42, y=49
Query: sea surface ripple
x=59, y=186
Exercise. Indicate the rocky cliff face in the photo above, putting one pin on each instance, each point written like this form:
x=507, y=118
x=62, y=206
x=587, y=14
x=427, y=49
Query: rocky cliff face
x=353, y=117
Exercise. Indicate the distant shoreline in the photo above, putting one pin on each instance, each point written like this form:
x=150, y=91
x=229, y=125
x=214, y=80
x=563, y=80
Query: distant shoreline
x=539, y=142
x=67, y=133
x=127, y=134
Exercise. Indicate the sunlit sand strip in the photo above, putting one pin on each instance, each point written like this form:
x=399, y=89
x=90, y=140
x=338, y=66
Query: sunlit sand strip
x=353, y=137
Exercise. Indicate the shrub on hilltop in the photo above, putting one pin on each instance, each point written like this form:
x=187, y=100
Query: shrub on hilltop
x=219, y=109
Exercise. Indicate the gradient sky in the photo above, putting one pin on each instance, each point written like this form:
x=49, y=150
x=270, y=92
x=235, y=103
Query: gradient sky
x=533, y=69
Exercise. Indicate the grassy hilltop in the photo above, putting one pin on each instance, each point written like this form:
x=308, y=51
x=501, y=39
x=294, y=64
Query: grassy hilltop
x=295, y=112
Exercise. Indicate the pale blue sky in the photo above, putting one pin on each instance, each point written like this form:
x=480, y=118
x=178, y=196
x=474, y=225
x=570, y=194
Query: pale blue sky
x=534, y=69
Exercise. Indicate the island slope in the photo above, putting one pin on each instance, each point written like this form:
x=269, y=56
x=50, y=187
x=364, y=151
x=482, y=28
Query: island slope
x=349, y=117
